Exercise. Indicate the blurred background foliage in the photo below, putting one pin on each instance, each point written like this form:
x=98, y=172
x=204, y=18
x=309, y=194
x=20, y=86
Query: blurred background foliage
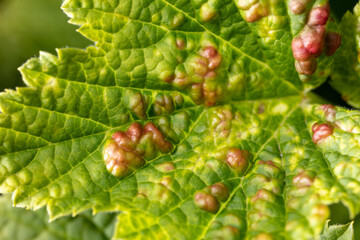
x=30, y=26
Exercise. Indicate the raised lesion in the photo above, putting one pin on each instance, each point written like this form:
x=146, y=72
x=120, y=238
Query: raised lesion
x=313, y=39
x=210, y=197
x=126, y=151
x=199, y=75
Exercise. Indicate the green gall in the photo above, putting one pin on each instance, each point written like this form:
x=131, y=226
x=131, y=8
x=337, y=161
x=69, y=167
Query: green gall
x=329, y=112
x=177, y=21
x=137, y=105
x=159, y=192
x=157, y=137
x=165, y=126
x=167, y=76
x=264, y=236
x=178, y=99
x=303, y=179
x=253, y=10
x=207, y=12
x=245, y=4
x=166, y=167
x=180, y=43
x=196, y=93
x=264, y=195
x=256, y=12
x=181, y=80
x=166, y=181
x=269, y=169
x=261, y=108
x=221, y=121
x=163, y=104
x=298, y=6
x=134, y=160
x=231, y=231
x=146, y=146
x=307, y=67
x=319, y=213
x=199, y=75
x=227, y=232
x=200, y=66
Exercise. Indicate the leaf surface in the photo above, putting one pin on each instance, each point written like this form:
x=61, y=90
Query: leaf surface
x=338, y=232
x=231, y=151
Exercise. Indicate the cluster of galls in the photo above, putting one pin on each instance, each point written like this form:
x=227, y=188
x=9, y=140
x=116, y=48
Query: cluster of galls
x=138, y=105
x=221, y=121
x=300, y=197
x=208, y=199
x=270, y=175
x=238, y=160
x=267, y=179
x=313, y=39
x=302, y=183
x=201, y=76
x=160, y=191
x=323, y=130
x=165, y=104
x=253, y=10
x=226, y=226
x=128, y=150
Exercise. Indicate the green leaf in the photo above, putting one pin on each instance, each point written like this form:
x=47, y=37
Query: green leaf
x=19, y=224
x=187, y=117
x=345, y=78
x=338, y=232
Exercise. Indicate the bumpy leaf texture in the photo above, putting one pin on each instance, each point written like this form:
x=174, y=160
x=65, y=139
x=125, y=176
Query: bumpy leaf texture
x=20, y=224
x=346, y=74
x=338, y=232
x=190, y=118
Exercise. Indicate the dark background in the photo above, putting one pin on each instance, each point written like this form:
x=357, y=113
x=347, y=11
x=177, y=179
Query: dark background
x=28, y=26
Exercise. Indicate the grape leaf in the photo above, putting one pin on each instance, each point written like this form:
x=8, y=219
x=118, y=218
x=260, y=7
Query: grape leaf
x=19, y=224
x=335, y=232
x=188, y=117
x=345, y=77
